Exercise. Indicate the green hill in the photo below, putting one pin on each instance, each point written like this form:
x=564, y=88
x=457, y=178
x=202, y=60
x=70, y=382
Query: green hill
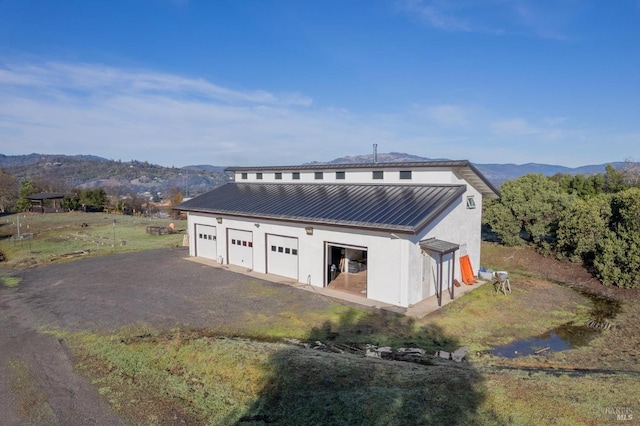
x=63, y=172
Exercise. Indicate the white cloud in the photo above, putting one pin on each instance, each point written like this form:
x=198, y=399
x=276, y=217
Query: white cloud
x=449, y=115
x=168, y=119
x=437, y=14
x=513, y=127
x=530, y=17
x=555, y=121
x=65, y=108
x=109, y=80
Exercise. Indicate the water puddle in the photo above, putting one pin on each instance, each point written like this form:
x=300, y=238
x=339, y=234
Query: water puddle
x=603, y=307
x=567, y=336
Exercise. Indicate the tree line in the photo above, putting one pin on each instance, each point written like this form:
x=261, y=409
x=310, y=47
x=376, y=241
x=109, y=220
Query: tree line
x=124, y=176
x=14, y=197
x=594, y=219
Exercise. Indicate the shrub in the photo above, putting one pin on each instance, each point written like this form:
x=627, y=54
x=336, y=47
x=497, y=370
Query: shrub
x=617, y=255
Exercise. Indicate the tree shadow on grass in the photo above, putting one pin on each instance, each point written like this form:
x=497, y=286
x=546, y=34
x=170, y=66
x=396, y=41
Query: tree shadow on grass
x=312, y=387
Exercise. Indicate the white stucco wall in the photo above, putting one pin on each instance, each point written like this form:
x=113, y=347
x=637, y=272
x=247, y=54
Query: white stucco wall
x=395, y=263
x=361, y=175
x=387, y=281
x=458, y=225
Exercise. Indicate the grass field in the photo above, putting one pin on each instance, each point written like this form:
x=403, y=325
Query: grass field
x=203, y=377
x=60, y=236
x=249, y=375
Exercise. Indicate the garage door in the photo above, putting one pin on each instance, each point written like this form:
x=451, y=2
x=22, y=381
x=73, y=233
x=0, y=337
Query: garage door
x=282, y=256
x=206, y=241
x=240, y=248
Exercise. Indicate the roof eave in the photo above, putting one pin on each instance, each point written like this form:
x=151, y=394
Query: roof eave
x=486, y=188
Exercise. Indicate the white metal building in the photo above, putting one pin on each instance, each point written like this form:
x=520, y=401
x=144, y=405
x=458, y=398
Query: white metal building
x=392, y=232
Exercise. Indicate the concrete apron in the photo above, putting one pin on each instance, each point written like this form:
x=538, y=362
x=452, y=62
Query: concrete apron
x=418, y=310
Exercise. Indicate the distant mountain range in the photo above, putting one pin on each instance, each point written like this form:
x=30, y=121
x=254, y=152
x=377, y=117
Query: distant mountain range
x=89, y=171
x=64, y=172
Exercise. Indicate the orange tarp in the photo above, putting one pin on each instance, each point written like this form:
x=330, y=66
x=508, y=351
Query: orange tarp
x=467, y=271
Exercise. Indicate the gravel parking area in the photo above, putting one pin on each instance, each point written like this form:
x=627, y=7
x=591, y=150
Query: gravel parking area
x=159, y=288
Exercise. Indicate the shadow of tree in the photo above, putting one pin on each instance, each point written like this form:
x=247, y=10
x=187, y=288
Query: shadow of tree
x=311, y=387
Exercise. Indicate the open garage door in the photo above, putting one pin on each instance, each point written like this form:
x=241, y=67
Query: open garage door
x=206, y=241
x=346, y=268
x=282, y=256
x=240, y=246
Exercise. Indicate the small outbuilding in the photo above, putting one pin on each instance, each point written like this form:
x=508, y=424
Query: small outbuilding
x=46, y=201
x=391, y=232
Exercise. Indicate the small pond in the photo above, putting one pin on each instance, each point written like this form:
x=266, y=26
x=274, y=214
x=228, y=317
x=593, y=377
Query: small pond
x=567, y=336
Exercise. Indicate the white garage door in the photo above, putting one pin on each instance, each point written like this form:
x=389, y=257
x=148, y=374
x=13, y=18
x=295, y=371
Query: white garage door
x=282, y=256
x=206, y=241
x=240, y=248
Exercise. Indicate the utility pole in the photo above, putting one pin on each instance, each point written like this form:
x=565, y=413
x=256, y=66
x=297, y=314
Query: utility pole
x=186, y=183
x=19, y=236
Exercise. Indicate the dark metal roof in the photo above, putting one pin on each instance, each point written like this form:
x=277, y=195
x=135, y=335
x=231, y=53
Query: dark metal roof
x=394, y=208
x=45, y=196
x=439, y=246
x=466, y=169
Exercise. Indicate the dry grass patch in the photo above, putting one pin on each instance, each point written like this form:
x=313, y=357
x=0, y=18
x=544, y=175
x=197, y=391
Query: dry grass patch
x=65, y=236
x=31, y=400
x=196, y=377
x=540, y=398
x=484, y=318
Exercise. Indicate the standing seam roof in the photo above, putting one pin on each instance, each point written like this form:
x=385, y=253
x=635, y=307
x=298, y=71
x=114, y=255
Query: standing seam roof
x=400, y=208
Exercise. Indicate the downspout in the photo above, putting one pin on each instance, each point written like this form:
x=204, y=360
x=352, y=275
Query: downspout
x=453, y=273
x=440, y=280
x=400, y=275
x=404, y=265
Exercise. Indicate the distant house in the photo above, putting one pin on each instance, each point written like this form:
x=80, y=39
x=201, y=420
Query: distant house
x=46, y=202
x=391, y=232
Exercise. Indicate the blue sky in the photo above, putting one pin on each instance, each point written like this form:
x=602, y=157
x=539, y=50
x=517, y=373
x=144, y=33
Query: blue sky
x=269, y=82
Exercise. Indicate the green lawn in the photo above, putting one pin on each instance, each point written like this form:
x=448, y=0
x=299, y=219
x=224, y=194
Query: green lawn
x=59, y=236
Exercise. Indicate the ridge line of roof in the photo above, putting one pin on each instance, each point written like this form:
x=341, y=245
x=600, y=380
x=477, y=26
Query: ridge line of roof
x=390, y=164
x=313, y=183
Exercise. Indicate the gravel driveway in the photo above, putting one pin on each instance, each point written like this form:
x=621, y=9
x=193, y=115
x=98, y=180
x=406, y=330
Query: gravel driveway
x=157, y=287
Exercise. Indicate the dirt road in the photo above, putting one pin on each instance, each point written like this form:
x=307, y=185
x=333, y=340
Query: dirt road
x=158, y=288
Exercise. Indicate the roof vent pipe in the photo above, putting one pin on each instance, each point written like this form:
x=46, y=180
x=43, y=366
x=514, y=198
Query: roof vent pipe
x=375, y=153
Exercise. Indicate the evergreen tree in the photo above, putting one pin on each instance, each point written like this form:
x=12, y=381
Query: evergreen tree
x=8, y=191
x=617, y=256
x=528, y=210
x=27, y=188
